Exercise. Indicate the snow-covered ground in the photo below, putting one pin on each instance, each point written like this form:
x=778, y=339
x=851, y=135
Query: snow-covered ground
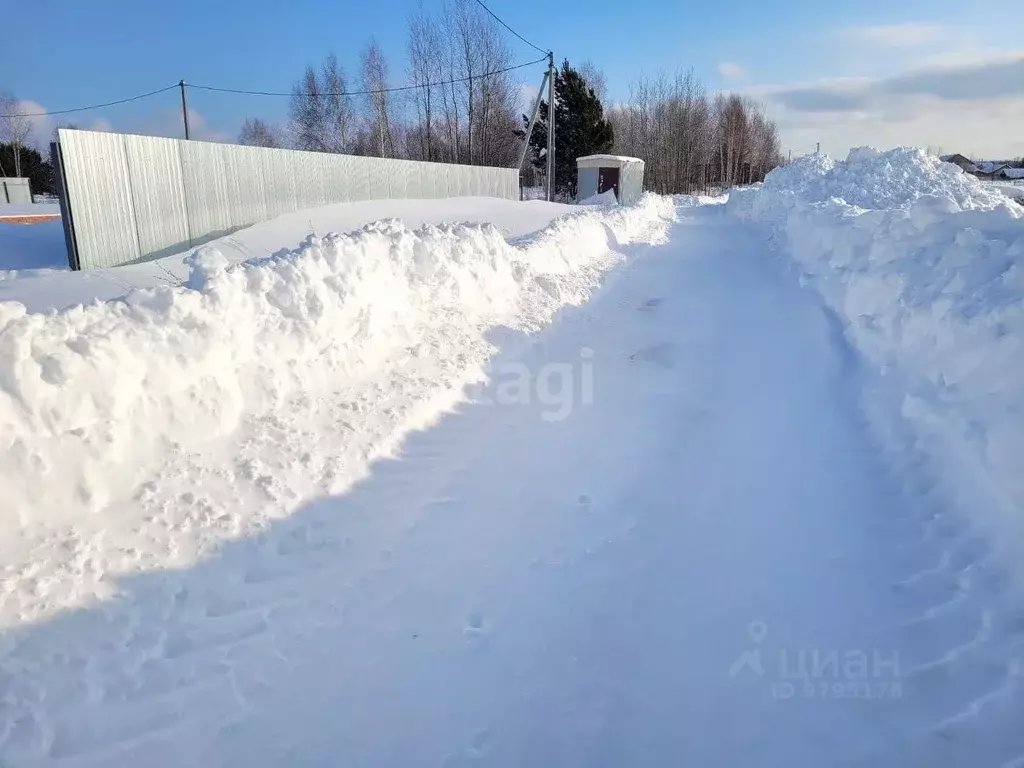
x=29, y=249
x=667, y=484
x=37, y=255
x=29, y=209
x=925, y=267
x=1012, y=189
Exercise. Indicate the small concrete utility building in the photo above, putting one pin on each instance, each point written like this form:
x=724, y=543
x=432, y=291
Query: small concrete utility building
x=15, y=190
x=599, y=173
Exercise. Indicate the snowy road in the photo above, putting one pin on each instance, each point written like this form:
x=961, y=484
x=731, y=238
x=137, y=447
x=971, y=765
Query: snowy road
x=710, y=561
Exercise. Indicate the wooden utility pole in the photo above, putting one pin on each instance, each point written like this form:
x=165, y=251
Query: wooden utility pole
x=184, y=108
x=551, y=127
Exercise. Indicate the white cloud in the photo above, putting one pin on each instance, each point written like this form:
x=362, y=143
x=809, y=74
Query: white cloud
x=973, y=108
x=163, y=123
x=525, y=96
x=925, y=122
x=909, y=35
x=729, y=69
x=1000, y=77
x=168, y=122
x=42, y=125
x=200, y=128
x=101, y=124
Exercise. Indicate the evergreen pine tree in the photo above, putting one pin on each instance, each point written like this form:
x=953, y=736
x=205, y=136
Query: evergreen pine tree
x=580, y=128
x=33, y=167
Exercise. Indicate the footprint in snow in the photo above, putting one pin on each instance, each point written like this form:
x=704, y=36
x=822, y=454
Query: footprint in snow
x=661, y=355
x=474, y=625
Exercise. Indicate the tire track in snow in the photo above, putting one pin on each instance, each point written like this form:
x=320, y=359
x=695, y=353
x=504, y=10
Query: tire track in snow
x=962, y=630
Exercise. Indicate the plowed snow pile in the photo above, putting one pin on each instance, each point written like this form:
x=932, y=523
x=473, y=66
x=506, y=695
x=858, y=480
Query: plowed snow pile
x=266, y=382
x=925, y=266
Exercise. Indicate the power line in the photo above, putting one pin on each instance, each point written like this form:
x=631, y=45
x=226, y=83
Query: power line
x=506, y=26
x=371, y=92
x=96, y=106
x=272, y=93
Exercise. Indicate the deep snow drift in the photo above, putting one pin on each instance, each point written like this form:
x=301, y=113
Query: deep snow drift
x=37, y=256
x=429, y=482
x=675, y=542
x=925, y=266
x=103, y=406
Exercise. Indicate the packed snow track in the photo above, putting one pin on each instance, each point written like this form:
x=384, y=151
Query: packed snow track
x=679, y=525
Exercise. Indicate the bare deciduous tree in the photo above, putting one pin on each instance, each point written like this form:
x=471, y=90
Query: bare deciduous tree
x=425, y=69
x=258, y=133
x=462, y=28
x=495, y=123
x=322, y=118
x=462, y=109
x=690, y=141
x=378, y=101
x=594, y=77
x=15, y=127
x=475, y=107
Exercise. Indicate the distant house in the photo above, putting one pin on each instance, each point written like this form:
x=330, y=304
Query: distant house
x=990, y=169
x=1010, y=174
x=983, y=169
x=962, y=162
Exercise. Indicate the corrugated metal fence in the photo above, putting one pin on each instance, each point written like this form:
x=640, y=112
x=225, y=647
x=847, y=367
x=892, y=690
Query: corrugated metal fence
x=128, y=198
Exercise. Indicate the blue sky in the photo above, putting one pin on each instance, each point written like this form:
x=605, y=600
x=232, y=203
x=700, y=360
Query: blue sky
x=840, y=73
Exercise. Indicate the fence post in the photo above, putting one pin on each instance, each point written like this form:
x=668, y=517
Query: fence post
x=70, y=241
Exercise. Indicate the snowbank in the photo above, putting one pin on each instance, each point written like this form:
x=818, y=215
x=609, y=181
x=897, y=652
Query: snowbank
x=1013, y=191
x=869, y=180
x=94, y=399
x=691, y=201
x=601, y=198
x=33, y=260
x=926, y=267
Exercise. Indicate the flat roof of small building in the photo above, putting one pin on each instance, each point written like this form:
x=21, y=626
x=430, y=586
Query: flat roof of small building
x=592, y=161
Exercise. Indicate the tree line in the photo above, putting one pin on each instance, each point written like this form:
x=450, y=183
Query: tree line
x=461, y=108
x=16, y=159
x=15, y=131
x=691, y=140
x=459, y=104
x=18, y=156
